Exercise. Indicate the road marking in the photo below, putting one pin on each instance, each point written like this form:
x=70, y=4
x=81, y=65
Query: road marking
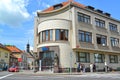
x=5, y=76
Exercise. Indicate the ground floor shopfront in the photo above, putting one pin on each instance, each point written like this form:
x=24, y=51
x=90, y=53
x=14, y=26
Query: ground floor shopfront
x=62, y=58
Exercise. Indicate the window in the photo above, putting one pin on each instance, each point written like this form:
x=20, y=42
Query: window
x=83, y=57
x=61, y=34
x=83, y=18
x=100, y=23
x=85, y=36
x=113, y=27
x=46, y=35
x=58, y=6
x=99, y=58
x=113, y=58
x=6, y=55
x=114, y=42
x=101, y=39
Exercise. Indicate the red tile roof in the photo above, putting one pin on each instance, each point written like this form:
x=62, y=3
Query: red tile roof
x=3, y=47
x=64, y=4
x=14, y=49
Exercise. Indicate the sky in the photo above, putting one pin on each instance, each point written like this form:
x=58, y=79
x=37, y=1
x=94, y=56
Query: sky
x=17, y=17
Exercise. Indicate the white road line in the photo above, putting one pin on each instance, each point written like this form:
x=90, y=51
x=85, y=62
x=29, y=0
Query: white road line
x=5, y=76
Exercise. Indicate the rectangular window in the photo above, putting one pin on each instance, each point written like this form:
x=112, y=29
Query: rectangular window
x=101, y=39
x=46, y=35
x=83, y=57
x=99, y=58
x=51, y=35
x=83, y=18
x=113, y=27
x=100, y=23
x=113, y=58
x=43, y=36
x=61, y=34
x=85, y=36
x=6, y=55
x=114, y=42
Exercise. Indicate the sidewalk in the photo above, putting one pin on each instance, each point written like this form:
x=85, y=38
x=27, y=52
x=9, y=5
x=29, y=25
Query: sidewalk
x=73, y=73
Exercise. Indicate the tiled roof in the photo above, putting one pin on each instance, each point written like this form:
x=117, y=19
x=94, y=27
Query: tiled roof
x=3, y=47
x=64, y=4
x=14, y=49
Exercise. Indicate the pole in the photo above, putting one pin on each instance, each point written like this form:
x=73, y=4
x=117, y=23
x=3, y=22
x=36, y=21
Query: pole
x=71, y=62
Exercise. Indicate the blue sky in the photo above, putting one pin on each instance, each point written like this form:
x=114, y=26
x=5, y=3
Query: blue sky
x=17, y=17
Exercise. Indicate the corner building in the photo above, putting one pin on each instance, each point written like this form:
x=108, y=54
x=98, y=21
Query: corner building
x=69, y=32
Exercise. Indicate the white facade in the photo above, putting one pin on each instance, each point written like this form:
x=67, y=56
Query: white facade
x=68, y=45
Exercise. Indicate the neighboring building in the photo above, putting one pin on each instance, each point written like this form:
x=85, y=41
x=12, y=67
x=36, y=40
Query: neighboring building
x=24, y=62
x=70, y=32
x=17, y=53
x=4, y=57
x=13, y=59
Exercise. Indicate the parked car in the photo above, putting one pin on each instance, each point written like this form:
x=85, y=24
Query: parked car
x=13, y=69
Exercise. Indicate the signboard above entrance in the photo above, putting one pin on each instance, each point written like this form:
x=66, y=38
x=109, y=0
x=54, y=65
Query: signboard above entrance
x=46, y=48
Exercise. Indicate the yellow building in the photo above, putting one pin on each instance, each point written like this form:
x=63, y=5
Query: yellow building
x=4, y=57
x=15, y=52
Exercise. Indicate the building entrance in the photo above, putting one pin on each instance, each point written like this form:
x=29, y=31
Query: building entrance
x=47, y=61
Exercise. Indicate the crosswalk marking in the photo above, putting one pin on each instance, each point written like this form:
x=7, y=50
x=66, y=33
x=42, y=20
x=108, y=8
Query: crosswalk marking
x=5, y=76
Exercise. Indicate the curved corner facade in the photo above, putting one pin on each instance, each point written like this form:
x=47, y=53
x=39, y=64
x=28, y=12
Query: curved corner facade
x=71, y=35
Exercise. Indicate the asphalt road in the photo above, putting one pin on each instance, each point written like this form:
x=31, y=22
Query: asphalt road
x=95, y=76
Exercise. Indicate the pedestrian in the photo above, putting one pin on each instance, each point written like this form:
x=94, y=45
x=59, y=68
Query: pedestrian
x=94, y=67
x=83, y=68
x=91, y=67
x=78, y=67
x=75, y=67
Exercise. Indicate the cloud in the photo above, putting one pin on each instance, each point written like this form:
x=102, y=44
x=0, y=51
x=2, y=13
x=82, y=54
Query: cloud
x=13, y=12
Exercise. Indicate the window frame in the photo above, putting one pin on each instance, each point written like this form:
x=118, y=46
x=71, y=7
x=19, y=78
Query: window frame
x=61, y=34
x=84, y=18
x=86, y=57
x=113, y=27
x=85, y=36
x=99, y=23
x=100, y=58
x=114, y=42
x=46, y=35
x=113, y=58
x=103, y=39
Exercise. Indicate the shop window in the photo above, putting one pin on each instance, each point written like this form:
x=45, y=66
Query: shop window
x=99, y=58
x=83, y=57
x=113, y=58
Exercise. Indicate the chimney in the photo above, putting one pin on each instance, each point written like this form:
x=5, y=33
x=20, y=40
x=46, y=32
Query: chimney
x=90, y=7
x=99, y=11
x=107, y=14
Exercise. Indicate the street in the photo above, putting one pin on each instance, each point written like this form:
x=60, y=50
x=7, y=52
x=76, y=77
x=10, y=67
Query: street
x=84, y=76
